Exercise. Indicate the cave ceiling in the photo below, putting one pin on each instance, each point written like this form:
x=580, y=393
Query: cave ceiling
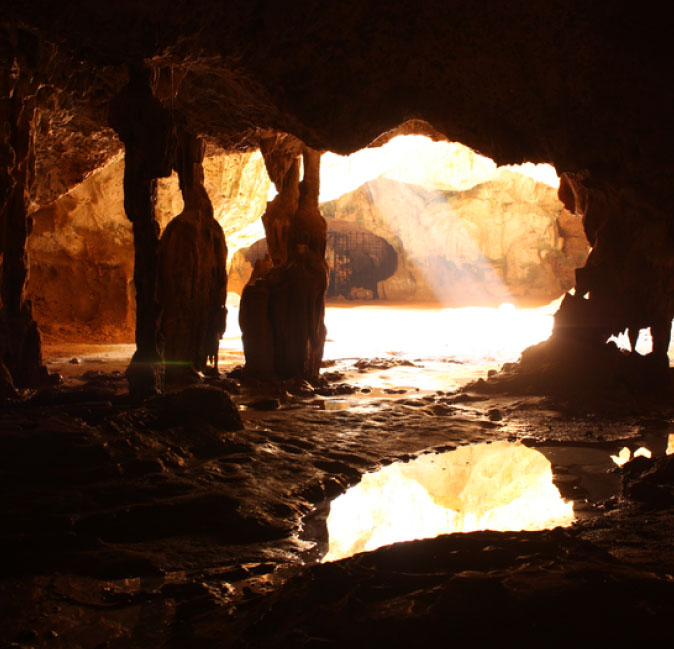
x=578, y=84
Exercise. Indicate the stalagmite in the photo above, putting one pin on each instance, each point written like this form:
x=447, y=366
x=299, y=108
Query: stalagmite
x=192, y=280
x=282, y=308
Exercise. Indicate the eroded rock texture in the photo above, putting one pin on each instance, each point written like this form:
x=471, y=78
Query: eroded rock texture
x=192, y=278
x=569, y=83
x=283, y=305
x=146, y=129
x=20, y=348
x=628, y=277
x=357, y=260
x=505, y=239
x=81, y=245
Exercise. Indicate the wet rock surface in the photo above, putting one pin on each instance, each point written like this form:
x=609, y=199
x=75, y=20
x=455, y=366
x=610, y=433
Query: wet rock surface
x=172, y=521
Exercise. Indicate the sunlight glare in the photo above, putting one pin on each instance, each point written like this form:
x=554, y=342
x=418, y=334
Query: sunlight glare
x=469, y=334
x=418, y=160
x=623, y=456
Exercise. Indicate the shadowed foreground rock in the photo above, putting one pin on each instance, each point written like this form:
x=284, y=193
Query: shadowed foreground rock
x=466, y=587
x=20, y=346
x=145, y=127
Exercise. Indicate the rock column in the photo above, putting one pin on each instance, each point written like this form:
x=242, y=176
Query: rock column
x=192, y=279
x=283, y=305
x=146, y=129
x=20, y=348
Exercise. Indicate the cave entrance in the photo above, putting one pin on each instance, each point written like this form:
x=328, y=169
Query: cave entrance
x=420, y=221
x=435, y=252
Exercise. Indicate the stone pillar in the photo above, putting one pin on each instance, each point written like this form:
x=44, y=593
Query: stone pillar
x=146, y=129
x=20, y=347
x=283, y=305
x=192, y=279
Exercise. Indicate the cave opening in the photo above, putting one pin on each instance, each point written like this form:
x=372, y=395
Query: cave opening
x=425, y=234
x=429, y=236
x=164, y=502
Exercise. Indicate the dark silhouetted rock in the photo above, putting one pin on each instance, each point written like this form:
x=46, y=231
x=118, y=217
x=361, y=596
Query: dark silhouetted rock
x=199, y=403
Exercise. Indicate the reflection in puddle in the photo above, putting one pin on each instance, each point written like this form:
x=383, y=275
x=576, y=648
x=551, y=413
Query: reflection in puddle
x=499, y=486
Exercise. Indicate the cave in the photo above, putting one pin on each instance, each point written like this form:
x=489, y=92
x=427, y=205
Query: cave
x=161, y=178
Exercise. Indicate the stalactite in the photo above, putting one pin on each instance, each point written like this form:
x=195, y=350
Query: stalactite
x=280, y=213
x=283, y=305
x=20, y=346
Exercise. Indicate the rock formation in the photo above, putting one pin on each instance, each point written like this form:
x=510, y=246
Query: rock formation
x=574, y=85
x=357, y=259
x=146, y=129
x=283, y=305
x=507, y=238
x=20, y=347
x=181, y=284
x=81, y=245
x=628, y=277
x=192, y=278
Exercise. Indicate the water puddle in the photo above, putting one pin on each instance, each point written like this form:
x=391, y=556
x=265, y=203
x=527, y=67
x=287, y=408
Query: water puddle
x=498, y=486
x=501, y=486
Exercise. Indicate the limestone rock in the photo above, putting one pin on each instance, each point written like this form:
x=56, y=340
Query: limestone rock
x=283, y=305
x=358, y=261
x=494, y=242
x=81, y=247
x=201, y=403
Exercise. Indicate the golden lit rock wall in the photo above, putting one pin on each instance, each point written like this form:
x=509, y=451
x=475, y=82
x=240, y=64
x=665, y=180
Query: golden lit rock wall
x=495, y=241
x=81, y=248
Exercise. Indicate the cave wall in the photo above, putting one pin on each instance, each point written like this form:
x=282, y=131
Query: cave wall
x=81, y=247
x=506, y=239
x=464, y=233
x=577, y=84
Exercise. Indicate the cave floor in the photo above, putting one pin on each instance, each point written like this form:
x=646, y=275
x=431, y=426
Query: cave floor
x=128, y=526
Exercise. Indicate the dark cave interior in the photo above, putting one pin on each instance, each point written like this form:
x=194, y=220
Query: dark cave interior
x=170, y=504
